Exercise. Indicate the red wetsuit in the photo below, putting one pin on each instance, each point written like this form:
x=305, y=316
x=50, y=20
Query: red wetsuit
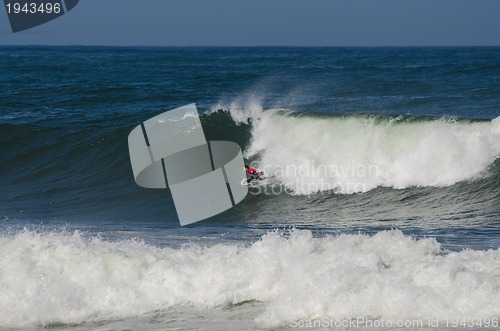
x=251, y=172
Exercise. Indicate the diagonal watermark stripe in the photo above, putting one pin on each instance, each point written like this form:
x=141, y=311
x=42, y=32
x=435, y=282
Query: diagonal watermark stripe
x=171, y=150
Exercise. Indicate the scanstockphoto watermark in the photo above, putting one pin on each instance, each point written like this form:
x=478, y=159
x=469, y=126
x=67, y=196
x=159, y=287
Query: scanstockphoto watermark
x=329, y=322
x=310, y=177
x=364, y=322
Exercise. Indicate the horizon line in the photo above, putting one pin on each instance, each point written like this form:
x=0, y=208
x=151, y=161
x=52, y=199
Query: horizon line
x=252, y=46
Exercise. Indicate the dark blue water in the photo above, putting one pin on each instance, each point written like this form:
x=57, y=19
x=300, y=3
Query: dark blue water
x=424, y=122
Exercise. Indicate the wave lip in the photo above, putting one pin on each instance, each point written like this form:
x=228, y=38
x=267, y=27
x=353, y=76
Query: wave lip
x=312, y=153
x=55, y=278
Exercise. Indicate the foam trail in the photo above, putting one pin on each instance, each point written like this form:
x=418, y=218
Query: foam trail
x=310, y=153
x=53, y=278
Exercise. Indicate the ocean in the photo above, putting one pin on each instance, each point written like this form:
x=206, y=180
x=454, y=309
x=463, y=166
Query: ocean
x=382, y=209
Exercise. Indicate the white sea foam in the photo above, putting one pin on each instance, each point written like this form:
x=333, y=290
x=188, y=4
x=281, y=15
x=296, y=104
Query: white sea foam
x=356, y=154
x=48, y=278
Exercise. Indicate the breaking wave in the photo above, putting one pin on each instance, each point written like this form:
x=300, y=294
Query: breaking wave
x=310, y=152
x=55, y=278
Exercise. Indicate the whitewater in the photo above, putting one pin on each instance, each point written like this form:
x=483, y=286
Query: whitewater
x=309, y=153
x=65, y=279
